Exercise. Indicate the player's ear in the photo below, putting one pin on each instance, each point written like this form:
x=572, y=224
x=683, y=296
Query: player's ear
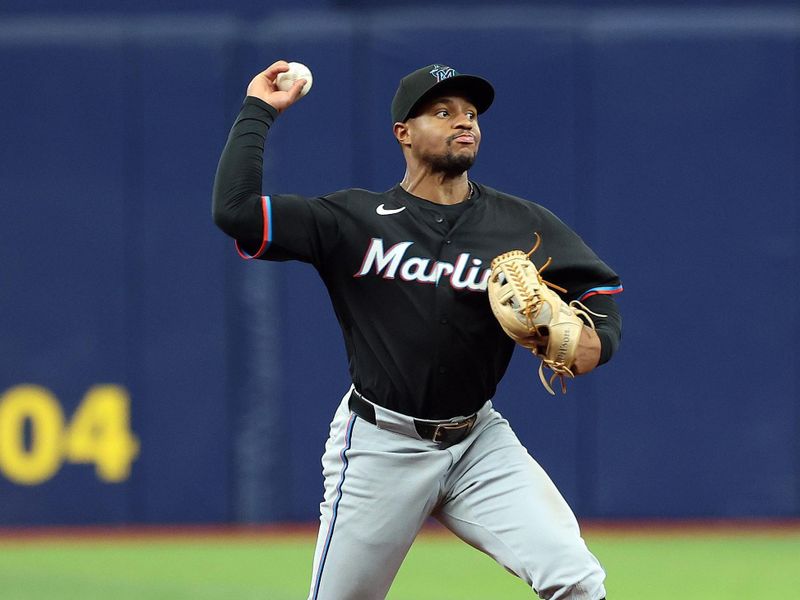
x=401, y=133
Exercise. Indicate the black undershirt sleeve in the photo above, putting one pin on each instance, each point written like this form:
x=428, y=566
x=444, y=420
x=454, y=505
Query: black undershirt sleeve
x=236, y=199
x=609, y=328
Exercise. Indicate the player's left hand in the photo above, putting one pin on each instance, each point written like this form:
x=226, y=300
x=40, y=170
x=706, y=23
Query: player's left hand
x=536, y=317
x=587, y=356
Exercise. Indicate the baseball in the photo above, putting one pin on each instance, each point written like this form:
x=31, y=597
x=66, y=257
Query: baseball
x=296, y=71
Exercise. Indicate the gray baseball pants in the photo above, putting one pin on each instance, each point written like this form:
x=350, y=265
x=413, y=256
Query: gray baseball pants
x=382, y=482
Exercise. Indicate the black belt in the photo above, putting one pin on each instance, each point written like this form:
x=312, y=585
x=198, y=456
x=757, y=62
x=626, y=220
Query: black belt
x=447, y=432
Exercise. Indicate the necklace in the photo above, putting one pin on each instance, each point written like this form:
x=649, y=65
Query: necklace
x=470, y=190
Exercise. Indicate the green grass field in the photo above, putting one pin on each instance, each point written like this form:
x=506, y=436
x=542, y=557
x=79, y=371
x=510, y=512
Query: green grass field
x=657, y=566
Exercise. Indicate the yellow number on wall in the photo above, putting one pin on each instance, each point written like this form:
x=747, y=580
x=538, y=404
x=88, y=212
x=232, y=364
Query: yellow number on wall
x=37, y=461
x=100, y=433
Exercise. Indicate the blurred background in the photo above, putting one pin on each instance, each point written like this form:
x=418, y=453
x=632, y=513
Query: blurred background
x=150, y=376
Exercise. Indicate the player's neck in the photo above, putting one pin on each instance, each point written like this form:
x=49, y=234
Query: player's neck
x=437, y=187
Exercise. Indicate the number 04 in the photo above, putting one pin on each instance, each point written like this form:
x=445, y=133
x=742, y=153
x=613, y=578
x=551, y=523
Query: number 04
x=99, y=433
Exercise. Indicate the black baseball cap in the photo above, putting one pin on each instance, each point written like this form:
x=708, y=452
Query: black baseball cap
x=424, y=82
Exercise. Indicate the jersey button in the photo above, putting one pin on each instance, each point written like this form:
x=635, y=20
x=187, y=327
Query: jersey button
x=448, y=241
x=440, y=219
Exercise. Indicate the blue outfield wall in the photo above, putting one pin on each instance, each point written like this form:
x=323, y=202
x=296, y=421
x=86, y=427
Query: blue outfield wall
x=151, y=376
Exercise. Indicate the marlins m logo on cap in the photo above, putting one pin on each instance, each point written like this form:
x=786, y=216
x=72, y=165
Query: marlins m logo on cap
x=415, y=87
x=442, y=72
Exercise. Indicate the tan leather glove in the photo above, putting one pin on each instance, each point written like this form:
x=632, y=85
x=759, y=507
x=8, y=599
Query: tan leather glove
x=535, y=316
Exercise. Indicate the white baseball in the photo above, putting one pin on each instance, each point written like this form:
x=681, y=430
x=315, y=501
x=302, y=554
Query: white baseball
x=296, y=71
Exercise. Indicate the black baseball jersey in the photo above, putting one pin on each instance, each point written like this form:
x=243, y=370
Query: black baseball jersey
x=407, y=277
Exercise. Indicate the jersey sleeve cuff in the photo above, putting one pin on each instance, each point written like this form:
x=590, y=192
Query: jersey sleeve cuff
x=604, y=289
x=266, y=239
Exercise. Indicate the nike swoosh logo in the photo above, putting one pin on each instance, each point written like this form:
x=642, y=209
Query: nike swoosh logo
x=389, y=211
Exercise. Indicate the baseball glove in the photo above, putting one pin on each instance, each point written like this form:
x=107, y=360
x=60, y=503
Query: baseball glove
x=536, y=317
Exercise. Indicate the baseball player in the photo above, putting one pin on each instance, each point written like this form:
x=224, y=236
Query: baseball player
x=416, y=434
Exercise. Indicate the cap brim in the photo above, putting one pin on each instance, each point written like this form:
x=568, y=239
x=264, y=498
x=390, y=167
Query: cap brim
x=476, y=89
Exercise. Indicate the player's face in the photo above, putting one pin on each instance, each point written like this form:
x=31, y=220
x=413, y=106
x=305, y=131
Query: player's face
x=445, y=134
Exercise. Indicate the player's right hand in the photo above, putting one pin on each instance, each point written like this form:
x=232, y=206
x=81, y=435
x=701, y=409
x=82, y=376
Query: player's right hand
x=263, y=87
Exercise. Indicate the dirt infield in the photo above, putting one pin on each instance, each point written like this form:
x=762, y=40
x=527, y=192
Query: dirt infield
x=148, y=533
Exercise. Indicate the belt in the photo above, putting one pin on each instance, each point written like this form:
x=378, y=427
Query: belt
x=445, y=432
